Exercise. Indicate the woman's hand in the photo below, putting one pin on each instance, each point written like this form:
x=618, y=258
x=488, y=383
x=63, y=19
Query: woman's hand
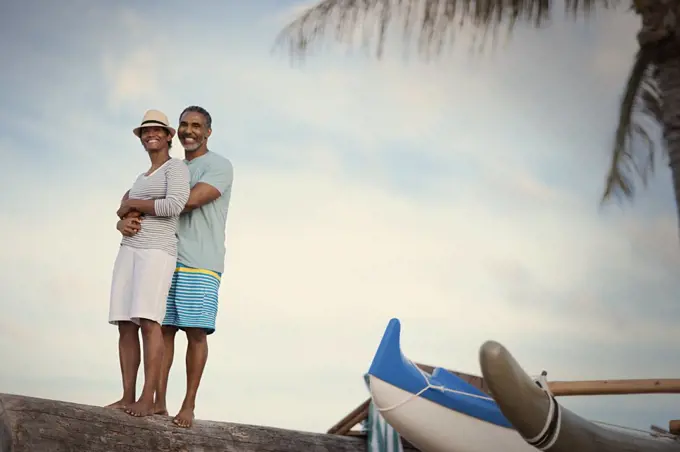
x=132, y=214
x=129, y=226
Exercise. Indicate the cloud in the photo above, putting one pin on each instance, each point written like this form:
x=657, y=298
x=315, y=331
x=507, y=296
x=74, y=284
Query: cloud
x=132, y=78
x=363, y=191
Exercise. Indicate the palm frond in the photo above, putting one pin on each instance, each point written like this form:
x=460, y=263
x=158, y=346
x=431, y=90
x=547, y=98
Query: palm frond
x=635, y=149
x=436, y=19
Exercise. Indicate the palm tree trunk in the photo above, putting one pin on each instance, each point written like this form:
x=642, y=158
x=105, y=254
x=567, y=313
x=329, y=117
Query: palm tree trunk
x=669, y=86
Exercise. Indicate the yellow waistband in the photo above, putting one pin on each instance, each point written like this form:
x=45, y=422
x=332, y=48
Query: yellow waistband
x=198, y=270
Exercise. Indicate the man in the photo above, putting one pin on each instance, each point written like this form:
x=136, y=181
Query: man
x=192, y=300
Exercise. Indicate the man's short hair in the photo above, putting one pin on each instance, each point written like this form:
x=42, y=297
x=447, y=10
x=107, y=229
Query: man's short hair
x=201, y=110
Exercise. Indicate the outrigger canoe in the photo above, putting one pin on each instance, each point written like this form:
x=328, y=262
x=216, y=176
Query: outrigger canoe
x=547, y=425
x=437, y=412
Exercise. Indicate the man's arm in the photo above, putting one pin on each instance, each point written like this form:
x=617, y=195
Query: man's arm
x=212, y=185
x=176, y=196
x=122, y=213
x=200, y=195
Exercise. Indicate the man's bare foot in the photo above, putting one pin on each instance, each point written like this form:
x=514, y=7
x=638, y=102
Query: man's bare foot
x=160, y=409
x=184, y=418
x=140, y=409
x=119, y=405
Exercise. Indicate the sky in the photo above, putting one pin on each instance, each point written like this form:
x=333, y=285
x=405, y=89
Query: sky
x=459, y=195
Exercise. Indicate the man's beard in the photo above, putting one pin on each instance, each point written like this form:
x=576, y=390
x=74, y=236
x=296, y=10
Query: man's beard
x=191, y=147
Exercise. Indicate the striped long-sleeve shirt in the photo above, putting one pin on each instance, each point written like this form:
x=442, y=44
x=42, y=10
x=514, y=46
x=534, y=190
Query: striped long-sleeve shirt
x=169, y=187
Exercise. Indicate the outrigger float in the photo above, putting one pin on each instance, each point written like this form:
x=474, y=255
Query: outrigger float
x=545, y=424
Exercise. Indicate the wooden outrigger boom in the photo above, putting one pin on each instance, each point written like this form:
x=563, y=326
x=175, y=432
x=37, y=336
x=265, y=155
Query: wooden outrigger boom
x=615, y=387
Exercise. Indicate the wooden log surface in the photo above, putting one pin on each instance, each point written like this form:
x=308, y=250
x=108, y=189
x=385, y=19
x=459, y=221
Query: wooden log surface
x=29, y=424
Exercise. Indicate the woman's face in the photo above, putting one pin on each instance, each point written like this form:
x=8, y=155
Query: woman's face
x=154, y=138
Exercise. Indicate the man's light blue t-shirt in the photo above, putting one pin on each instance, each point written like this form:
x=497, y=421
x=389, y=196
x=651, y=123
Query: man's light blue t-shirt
x=201, y=232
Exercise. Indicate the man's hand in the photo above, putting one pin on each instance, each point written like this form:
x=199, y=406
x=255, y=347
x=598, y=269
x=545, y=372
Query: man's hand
x=124, y=209
x=129, y=226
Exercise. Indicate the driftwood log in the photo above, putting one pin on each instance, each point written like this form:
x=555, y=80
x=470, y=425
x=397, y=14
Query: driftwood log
x=29, y=424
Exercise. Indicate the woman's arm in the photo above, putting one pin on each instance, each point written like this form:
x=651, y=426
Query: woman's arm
x=176, y=195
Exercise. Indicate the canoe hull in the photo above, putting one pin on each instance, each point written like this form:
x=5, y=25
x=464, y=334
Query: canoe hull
x=437, y=412
x=434, y=428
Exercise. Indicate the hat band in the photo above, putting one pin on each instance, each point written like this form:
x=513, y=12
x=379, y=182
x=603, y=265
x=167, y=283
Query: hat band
x=153, y=121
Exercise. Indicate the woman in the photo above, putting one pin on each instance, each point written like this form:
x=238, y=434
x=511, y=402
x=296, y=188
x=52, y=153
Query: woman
x=146, y=260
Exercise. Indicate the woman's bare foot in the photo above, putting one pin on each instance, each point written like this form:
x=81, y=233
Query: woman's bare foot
x=185, y=417
x=120, y=405
x=140, y=409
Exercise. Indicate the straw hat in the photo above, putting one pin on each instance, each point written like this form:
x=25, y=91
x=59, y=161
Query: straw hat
x=154, y=118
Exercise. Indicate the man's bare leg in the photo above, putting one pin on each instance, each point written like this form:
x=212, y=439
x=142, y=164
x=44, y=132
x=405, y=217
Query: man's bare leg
x=153, y=356
x=161, y=406
x=129, y=357
x=197, y=355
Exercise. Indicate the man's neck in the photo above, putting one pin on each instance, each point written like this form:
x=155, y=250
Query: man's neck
x=190, y=155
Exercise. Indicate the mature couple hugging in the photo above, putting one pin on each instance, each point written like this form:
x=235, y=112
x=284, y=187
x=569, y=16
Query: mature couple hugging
x=169, y=266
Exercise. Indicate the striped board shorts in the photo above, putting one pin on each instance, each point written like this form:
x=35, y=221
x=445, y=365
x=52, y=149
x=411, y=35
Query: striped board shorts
x=192, y=299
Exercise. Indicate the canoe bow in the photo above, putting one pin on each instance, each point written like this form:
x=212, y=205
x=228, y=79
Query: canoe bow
x=547, y=425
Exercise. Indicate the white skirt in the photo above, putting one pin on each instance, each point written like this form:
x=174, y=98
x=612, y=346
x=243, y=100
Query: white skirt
x=140, y=285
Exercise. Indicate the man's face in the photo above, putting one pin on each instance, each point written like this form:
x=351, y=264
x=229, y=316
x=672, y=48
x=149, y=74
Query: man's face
x=154, y=138
x=192, y=131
